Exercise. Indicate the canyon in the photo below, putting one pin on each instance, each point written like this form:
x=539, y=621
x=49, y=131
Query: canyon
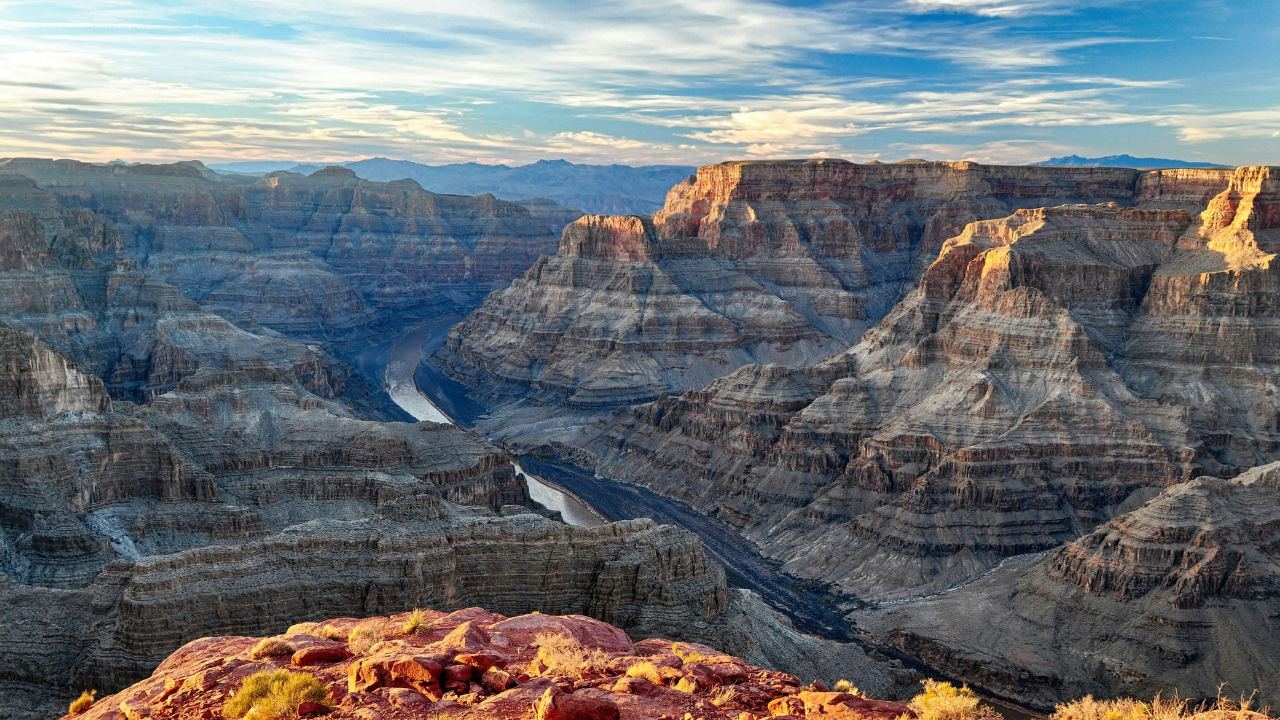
x=949, y=397
x=947, y=388
x=213, y=455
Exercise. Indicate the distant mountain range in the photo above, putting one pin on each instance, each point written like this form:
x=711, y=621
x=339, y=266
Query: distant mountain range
x=1126, y=161
x=608, y=189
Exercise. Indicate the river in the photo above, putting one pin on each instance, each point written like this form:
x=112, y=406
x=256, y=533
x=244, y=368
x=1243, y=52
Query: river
x=406, y=352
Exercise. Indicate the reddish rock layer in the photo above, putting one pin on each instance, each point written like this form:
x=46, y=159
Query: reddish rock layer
x=475, y=664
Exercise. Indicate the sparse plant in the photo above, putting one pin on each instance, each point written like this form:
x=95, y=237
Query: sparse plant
x=689, y=656
x=1087, y=708
x=687, y=685
x=273, y=694
x=366, y=634
x=562, y=655
x=328, y=632
x=416, y=623
x=270, y=647
x=944, y=701
x=845, y=686
x=84, y=702
x=647, y=671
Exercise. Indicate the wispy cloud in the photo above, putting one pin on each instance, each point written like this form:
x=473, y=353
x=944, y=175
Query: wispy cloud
x=627, y=80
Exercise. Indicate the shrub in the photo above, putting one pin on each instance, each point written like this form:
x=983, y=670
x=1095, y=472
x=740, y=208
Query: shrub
x=366, y=634
x=270, y=647
x=563, y=655
x=268, y=695
x=328, y=632
x=689, y=656
x=416, y=623
x=687, y=684
x=944, y=701
x=646, y=670
x=84, y=702
x=845, y=686
x=1087, y=708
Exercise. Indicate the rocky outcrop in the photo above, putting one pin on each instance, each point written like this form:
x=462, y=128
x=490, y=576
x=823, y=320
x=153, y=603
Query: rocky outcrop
x=478, y=664
x=766, y=262
x=325, y=256
x=136, y=613
x=1181, y=593
x=1050, y=371
x=67, y=279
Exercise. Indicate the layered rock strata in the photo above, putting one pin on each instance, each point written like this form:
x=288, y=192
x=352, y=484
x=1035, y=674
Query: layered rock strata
x=65, y=276
x=325, y=256
x=750, y=262
x=1182, y=593
x=1052, y=369
x=478, y=664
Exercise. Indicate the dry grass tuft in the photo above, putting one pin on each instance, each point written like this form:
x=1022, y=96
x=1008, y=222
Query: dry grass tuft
x=689, y=656
x=270, y=647
x=845, y=686
x=646, y=670
x=328, y=632
x=84, y=702
x=269, y=695
x=1087, y=708
x=563, y=655
x=366, y=634
x=687, y=685
x=416, y=623
x=944, y=701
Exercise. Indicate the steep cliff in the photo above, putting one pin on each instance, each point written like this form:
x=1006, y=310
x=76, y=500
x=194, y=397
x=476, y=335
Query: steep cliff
x=66, y=278
x=1182, y=593
x=774, y=262
x=1050, y=369
x=326, y=256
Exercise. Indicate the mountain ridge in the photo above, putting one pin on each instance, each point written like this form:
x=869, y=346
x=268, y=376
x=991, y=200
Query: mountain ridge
x=613, y=189
x=1128, y=161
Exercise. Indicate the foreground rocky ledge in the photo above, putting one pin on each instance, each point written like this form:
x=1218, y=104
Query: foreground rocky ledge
x=473, y=663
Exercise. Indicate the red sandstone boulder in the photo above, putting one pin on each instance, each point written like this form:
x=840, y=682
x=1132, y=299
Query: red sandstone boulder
x=558, y=705
x=786, y=706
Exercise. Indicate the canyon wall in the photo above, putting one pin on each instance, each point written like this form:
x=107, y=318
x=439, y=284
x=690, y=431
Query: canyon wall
x=1178, y=594
x=325, y=256
x=1056, y=361
x=749, y=262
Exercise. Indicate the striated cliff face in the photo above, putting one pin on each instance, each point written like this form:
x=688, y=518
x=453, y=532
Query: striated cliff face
x=326, y=256
x=1052, y=368
x=67, y=279
x=767, y=262
x=1181, y=593
x=115, y=631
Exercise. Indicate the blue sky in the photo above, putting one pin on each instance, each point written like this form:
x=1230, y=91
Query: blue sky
x=640, y=81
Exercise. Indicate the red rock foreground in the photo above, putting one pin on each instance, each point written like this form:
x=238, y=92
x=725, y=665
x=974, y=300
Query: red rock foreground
x=475, y=664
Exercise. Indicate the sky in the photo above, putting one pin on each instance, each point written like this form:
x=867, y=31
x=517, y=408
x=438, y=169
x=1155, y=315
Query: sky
x=640, y=81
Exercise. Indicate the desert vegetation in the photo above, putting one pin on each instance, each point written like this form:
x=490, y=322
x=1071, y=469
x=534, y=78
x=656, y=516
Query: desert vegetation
x=560, y=654
x=1173, y=708
x=944, y=701
x=270, y=647
x=416, y=622
x=645, y=670
x=366, y=634
x=328, y=632
x=84, y=702
x=272, y=694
